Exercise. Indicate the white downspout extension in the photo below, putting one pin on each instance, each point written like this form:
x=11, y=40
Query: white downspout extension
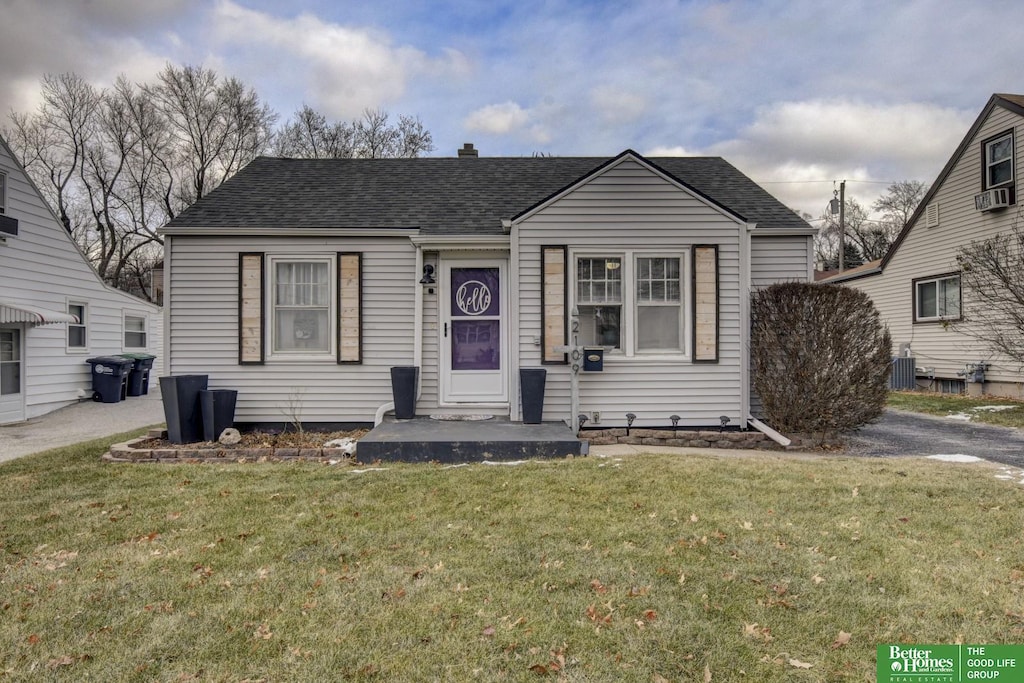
x=745, y=291
x=417, y=340
x=768, y=431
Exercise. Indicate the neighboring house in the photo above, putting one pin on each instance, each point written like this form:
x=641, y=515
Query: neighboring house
x=55, y=311
x=301, y=282
x=916, y=286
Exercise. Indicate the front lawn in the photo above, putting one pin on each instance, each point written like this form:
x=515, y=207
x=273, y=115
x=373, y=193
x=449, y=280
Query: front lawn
x=649, y=568
x=987, y=409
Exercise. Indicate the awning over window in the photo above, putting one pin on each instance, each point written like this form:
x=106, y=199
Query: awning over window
x=33, y=315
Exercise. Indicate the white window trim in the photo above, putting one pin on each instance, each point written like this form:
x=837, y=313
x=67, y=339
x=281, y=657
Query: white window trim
x=917, y=299
x=1012, y=160
x=3, y=192
x=124, y=330
x=332, y=308
x=84, y=323
x=628, y=321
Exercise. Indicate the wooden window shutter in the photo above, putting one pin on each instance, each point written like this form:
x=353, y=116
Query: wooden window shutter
x=705, y=304
x=554, y=301
x=350, y=307
x=250, y=309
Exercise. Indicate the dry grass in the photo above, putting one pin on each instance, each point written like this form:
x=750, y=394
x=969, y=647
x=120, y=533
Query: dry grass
x=995, y=410
x=647, y=568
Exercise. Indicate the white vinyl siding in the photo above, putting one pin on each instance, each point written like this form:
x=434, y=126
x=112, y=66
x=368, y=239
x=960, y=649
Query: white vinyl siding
x=945, y=349
x=43, y=267
x=203, y=291
x=628, y=207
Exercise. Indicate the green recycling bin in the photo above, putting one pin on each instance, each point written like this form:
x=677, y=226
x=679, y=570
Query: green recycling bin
x=138, y=378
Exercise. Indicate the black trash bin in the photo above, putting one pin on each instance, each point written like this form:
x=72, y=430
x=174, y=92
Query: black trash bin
x=180, y=395
x=218, y=409
x=109, y=378
x=138, y=378
x=403, y=389
x=531, y=394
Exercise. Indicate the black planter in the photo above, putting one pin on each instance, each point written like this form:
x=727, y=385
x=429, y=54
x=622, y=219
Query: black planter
x=531, y=393
x=403, y=388
x=218, y=410
x=180, y=395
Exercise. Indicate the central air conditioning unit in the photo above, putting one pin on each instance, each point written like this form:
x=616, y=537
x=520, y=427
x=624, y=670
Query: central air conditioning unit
x=990, y=200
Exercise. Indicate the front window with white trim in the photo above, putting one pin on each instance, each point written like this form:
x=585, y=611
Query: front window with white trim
x=937, y=298
x=631, y=301
x=135, y=331
x=301, y=306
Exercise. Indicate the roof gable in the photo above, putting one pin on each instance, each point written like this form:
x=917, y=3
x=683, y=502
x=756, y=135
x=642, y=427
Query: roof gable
x=628, y=155
x=1013, y=103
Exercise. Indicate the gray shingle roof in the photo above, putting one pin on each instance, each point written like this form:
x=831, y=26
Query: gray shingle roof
x=440, y=195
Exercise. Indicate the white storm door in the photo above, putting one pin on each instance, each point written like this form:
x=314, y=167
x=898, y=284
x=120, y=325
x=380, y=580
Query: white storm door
x=474, y=331
x=12, y=373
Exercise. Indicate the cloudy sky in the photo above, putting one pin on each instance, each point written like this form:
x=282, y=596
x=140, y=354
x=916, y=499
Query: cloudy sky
x=795, y=93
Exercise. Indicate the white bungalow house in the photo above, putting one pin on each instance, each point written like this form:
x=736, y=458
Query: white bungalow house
x=55, y=311
x=300, y=283
x=916, y=286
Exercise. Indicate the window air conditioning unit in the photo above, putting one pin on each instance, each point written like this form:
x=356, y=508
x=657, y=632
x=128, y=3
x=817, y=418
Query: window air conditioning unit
x=990, y=200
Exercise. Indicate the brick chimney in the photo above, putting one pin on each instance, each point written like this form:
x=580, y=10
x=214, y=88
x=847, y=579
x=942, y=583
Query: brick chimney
x=468, y=151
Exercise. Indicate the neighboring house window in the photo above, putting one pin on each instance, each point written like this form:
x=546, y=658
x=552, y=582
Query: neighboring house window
x=631, y=302
x=134, y=331
x=937, y=298
x=78, y=339
x=3, y=193
x=301, y=306
x=999, y=161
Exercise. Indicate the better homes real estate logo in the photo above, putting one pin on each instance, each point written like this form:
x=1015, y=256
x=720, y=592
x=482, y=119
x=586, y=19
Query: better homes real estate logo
x=950, y=663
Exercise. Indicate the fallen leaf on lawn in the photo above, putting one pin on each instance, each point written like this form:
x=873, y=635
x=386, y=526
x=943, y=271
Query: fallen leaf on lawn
x=650, y=615
x=659, y=679
x=842, y=639
x=33, y=639
x=262, y=632
x=707, y=674
x=638, y=591
x=539, y=669
x=759, y=632
x=694, y=518
x=747, y=526
x=800, y=665
x=489, y=631
x=856, y=491
x=597, y=586
x=817, y=579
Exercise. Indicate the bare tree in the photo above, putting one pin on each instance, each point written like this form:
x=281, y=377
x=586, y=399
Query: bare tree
x=218, y=126
x=311, y=136
x=899, y=202
x=992, y=272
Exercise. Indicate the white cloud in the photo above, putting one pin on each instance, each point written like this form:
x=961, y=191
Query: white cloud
x=498, y=119
x=615, y=105
x=343, y=69
x=796, y=149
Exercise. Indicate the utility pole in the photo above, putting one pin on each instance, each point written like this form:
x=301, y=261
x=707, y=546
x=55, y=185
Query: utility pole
x=842, y=226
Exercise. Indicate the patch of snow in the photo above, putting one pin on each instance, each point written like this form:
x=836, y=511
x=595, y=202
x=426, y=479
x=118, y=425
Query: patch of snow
x=994, y=409
x=452, y=467
x=954, y=457
x=510, y=463
x=368, y=469
x=959, y=416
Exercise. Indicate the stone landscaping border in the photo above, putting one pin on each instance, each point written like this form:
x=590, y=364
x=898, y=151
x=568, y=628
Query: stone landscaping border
x=131, y=451
x=749, y=440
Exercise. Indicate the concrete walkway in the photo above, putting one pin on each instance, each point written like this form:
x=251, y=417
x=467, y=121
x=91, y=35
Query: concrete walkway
x=81, y=422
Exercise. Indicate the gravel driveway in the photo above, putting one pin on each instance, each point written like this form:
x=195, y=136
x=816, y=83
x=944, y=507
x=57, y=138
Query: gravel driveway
x=901, y=433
